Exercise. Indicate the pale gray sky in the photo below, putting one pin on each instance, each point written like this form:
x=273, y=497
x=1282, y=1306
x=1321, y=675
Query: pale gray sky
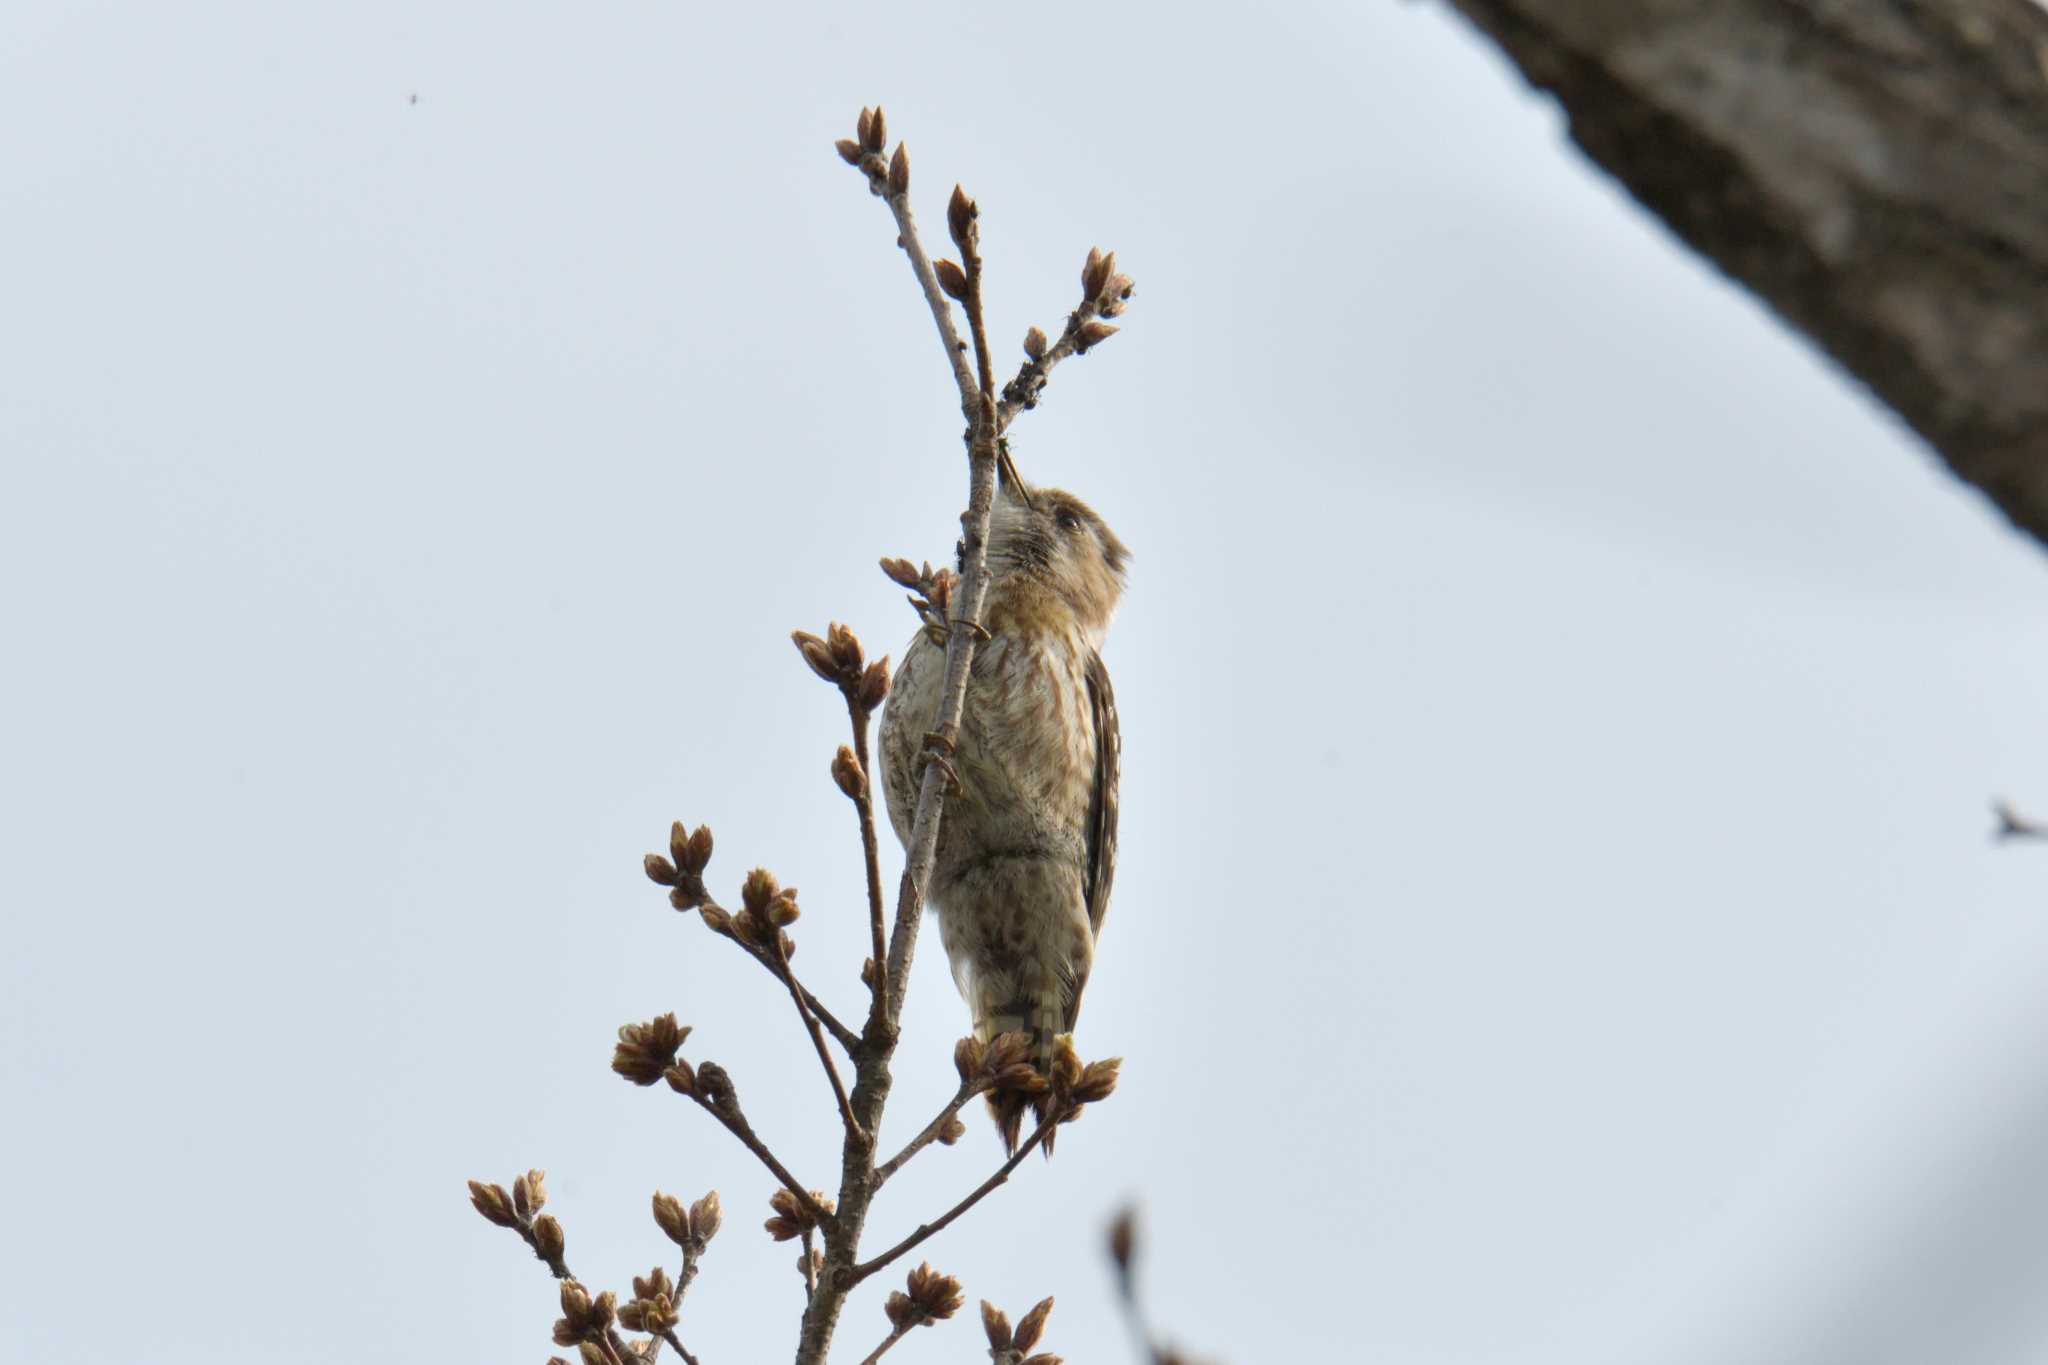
x=1555, y=925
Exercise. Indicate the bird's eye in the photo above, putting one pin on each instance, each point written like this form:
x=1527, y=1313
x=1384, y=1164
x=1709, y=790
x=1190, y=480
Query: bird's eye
x=1068, y=519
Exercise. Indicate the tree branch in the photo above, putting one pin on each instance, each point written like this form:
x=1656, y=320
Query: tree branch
x=931, y=1131
x=980, y=1192
x=891, y=181
x=1876, y=172
x=2013, y=825
x=724, y=1105
x=796, y=995
x=896, y=1334
x=864, y=807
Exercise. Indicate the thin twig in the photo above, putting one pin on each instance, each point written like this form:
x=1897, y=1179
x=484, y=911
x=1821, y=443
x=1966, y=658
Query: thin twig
x=930, y=1133
x=614, y=1343
x=864, y=805
x=895, y=1335
x=981, y=1191
x=966, y=227
x=2013, y=825
x=844, y=1036
x=727, y=1111
x=796, y=996
x=1022, y=393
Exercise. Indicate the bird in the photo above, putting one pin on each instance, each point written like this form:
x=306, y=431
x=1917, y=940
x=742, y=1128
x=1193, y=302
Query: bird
x=1027, y=844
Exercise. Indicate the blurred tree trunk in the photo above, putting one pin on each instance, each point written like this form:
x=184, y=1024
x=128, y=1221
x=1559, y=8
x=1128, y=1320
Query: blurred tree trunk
x=1877, y=170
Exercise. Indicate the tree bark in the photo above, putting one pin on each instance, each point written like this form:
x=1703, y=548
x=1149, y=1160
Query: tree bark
x=1876, y=170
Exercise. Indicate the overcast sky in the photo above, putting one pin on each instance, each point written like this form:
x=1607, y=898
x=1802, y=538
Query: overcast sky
x=1555, y=923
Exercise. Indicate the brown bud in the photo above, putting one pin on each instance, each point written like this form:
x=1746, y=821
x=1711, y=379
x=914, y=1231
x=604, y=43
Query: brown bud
x=846, y=651
x=644, y=1051
x=1123, y=1239
x=714, y=1084
x=1031, y=1326
x=936, y=1297
x=681, y=1078
x=655, y=1284
x=1097, y=275
x=849, y=151
x=759, y=888
x=685, y=897
x=548, y=1239
x=901, y=572
x=847, y=775
x=1048, y=1358
x=816, y=654
x=679, y=843
x=1097, y=1080
x=902, y=1312
x=673, y=1219
x=867, y=972
x=960, y=215
x=951, y=1131
x=1093, y=332
x=698, y=856
x=968, y=1056
x=782, y=911
x=746, y=927
x=1093, y=273
x=874, y=684
x=1034, y=344
x=715, y=919
x=952, y=278
x=997, y=1325
x=593, y=1354
x=707, y=1215
x=878, y=132
x=1006, y=1050
x=522, y=1197
x=660, y=870
x=899, y=171
x=493, y=1203
x=863, y=125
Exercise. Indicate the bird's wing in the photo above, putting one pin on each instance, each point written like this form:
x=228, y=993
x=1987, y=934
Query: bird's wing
x=1102, y=804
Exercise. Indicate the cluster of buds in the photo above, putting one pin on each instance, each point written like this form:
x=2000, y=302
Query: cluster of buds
x=1012, y=1346
x=792, y=1218
x=520, y=1210
x=766, y=908
x=838, y=660
x=1104, y=292
x=584, y=1320
x=652, y=1308
x=1003, y=1068
x=931, y=593
x=646, y=1052
x=864, y=150
x=689, y=853
x=962, y=222
x=691, y=1227
x=927, y=1297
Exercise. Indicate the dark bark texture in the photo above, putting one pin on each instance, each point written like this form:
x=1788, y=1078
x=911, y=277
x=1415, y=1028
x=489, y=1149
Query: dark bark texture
x=1876, y=170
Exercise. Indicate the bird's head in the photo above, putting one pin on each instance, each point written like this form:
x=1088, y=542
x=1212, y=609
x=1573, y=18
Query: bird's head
x=1055, y=540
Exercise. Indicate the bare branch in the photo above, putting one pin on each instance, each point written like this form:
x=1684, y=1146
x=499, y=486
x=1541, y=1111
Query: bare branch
x=796, y=995
x=980, y=1192
x=2013, y=825
x=931, y=1131
x=724, y=1105
x=864, y=805
x=896, y=1334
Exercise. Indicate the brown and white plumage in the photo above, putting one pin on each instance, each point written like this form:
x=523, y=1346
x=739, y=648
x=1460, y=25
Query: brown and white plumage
x=1027, y=848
